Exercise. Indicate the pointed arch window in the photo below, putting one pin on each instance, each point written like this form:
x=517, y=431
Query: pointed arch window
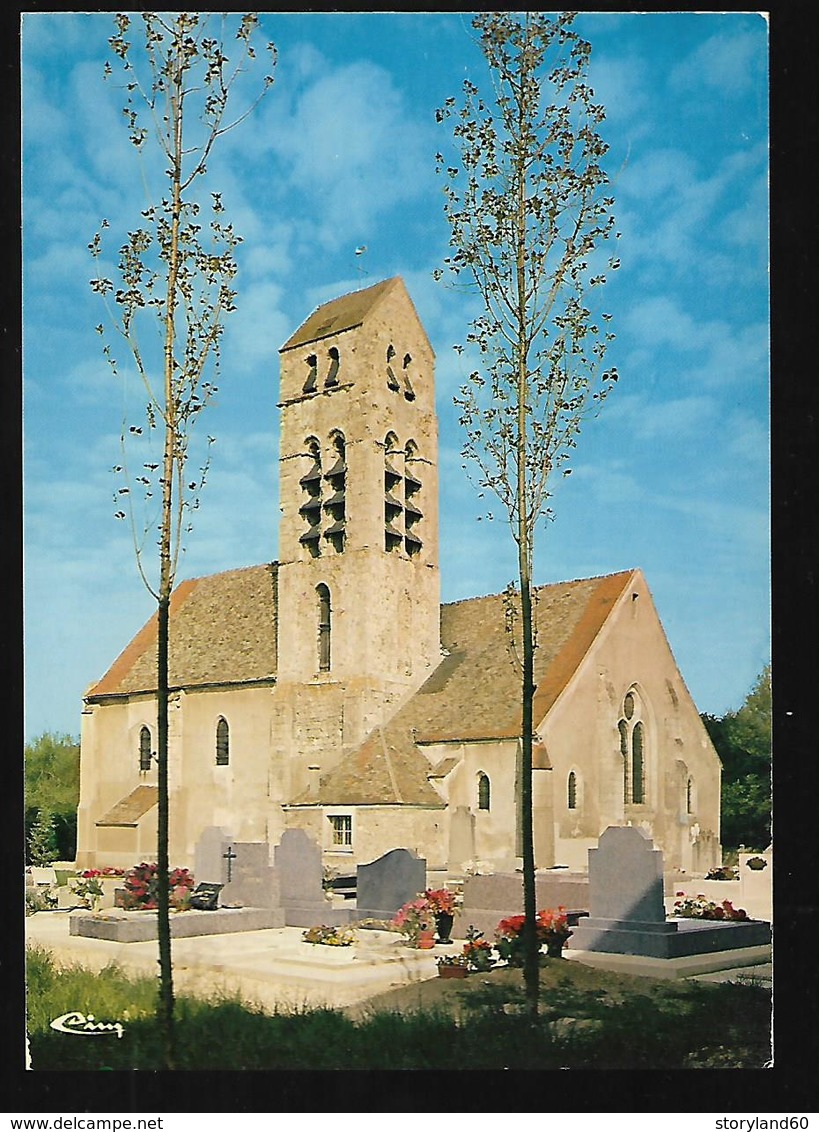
x=689, y=796
x=633, y=750
x=412, y=501
x=393, y=495
x=222, y=742
x=144, y=749
x=311, y=380
x=332, y=373
x=324, y=627
x=310, y=509
x=484, y=792
x=335, y=505
x=571, y=791
x=392, y=380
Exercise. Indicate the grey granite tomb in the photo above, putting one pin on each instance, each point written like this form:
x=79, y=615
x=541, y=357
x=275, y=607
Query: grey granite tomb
x=627, y=911
x=251, y=881
x=387, y=883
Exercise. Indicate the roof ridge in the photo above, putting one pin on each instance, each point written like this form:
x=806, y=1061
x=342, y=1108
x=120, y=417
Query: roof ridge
x=544, y=586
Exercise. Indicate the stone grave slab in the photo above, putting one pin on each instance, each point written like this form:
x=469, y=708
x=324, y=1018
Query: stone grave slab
x=298, y=865
x=627, y=910
x=491, y=897
x=387, y=883
x=210, y=864
x=137, y=927
x=250, y=879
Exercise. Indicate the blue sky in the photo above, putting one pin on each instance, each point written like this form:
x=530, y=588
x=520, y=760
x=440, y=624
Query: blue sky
x=672, y=477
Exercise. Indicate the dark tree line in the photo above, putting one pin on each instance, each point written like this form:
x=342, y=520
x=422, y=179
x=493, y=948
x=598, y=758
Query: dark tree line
x=743, y=742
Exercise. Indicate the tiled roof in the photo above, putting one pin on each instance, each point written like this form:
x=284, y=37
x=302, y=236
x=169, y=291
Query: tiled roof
x=130, y=809
x=223, y=631
x=340, y=314
x=474, y=693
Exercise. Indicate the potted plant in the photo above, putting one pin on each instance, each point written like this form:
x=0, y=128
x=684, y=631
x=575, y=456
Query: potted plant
x=415, y=920
x=453, y=966
x=442, y=903
x=88, y=888
x=551, y=925
x=478, y=951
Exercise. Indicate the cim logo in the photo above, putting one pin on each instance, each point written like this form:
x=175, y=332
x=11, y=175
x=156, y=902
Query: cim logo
x=86, y=1025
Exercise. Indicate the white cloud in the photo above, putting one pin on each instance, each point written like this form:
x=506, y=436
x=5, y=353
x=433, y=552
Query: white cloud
x=727, y=62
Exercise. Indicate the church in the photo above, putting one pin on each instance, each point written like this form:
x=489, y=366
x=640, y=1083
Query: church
x=331, y=691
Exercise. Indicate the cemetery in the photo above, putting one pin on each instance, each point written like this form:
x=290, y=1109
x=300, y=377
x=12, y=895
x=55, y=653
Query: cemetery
x=268, y=926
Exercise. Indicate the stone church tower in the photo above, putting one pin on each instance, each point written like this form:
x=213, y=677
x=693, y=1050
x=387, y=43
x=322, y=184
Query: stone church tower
x=358, y=578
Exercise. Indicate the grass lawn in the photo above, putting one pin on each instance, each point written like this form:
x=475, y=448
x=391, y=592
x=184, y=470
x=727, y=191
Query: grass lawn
x=589, y=1019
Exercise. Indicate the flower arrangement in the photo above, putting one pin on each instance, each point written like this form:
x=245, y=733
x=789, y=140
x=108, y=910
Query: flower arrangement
x=478, y=951
x=414, y=917
x=552, y=928
x=723, y=872
x=441, y=901
x=142, y=888
x=698, y=908
x=112, y=871
x=453, y=961
x=40, y=899
x=330, y=937
x=88, y=888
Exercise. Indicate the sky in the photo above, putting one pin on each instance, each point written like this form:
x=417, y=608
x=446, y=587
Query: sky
x=672, y=476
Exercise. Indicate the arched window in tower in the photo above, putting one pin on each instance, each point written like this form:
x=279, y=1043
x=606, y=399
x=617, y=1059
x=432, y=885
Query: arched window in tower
x=571, y=791
x=393, y=503
x=222, y=742
x=312, y=374
x=144, y=749
x=484, y=791
x=332, y=373
x=310, y=509
x=324, y=627
x=409, y=392
x=412, y=501
x=335, y=505
x=689, y=796
x=633, y=750
x=392, y=380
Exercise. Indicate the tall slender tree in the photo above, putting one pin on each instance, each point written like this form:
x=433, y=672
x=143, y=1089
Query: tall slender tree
x=528, y=205
x=176, y=273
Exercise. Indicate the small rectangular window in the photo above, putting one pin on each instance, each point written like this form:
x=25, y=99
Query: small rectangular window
x=342, y=825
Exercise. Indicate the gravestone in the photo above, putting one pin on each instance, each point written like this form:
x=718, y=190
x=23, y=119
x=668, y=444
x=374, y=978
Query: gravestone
x=210, y=864
x=297, y=860
x=251, y=882
x=491, y=897
x=387, y=883
x=626, y=877
x=627, y=911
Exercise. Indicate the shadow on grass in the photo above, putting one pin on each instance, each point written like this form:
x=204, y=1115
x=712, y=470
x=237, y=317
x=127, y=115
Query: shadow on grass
x=584, y=1023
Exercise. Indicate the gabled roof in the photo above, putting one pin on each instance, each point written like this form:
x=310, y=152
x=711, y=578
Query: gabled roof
x=132, y=807
x=223, y=631
x=474, y=693
x=343, y=313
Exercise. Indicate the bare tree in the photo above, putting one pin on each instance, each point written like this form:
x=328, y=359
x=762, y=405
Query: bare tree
x=527, y=205
x=174, y=274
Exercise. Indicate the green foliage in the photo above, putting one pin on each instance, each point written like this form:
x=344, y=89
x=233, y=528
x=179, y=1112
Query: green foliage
x=42, y=840
x=52, y=768
x=52, y=787
x=743, y=742
x=590, y=1020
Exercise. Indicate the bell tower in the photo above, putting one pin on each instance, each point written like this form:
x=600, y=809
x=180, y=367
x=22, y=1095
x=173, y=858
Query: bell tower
x=358, y=578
